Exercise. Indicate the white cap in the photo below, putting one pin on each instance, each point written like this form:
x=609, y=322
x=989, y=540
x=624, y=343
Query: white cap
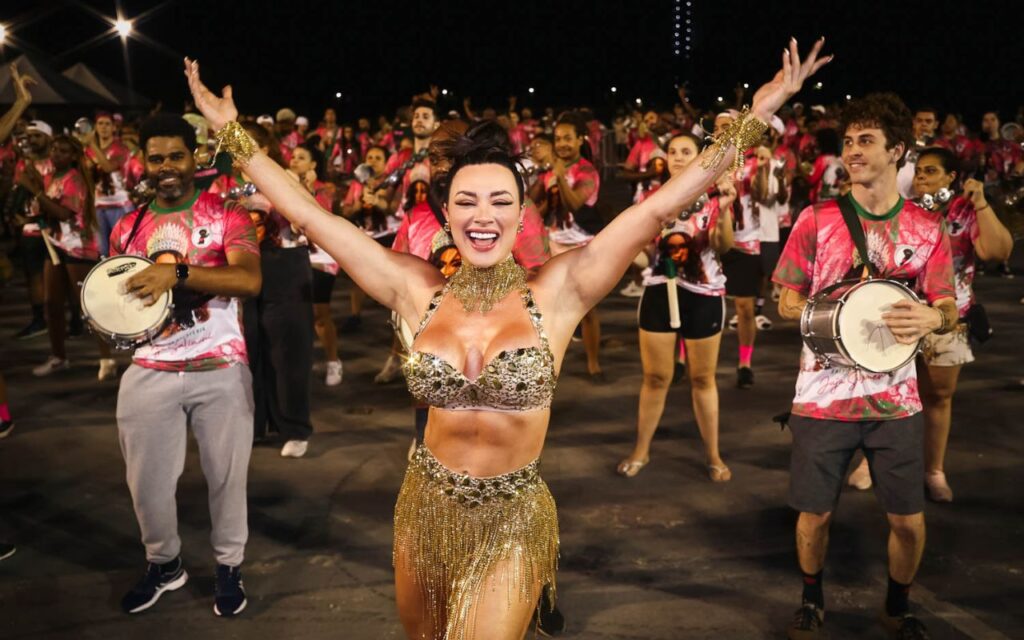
x=819, y=108
x=265, y=119
x=777, y=124
x=301, y=120
x=40, y=126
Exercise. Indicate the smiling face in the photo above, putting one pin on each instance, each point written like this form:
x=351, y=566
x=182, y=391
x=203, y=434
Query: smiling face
x=171, y=165
x=681, y=152
x=483, y=211
x=865, y=156
x=567, y=143
x=930, y=176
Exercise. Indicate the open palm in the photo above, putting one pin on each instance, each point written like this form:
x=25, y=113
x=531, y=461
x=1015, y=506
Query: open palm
x=218, y=111
x=790, y=78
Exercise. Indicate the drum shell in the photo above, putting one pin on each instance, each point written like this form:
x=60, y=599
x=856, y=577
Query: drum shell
x=820, y=324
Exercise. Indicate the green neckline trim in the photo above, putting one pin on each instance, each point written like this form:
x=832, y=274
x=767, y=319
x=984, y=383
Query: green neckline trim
x=867, y=215
x=181, y=207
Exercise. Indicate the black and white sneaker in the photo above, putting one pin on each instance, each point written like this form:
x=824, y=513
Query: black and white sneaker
x=159, y=579
x=229, y=599
x=807, y=623
x=6, y=550
x=6, y=427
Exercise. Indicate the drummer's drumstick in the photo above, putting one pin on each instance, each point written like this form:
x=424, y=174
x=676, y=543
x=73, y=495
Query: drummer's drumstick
x=673, y=294
x=54, y=258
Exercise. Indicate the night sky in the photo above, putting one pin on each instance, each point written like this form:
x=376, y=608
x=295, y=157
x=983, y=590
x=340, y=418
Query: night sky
x=298, y=53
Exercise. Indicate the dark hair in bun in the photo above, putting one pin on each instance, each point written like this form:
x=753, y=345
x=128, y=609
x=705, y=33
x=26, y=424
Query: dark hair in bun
x=483, y=143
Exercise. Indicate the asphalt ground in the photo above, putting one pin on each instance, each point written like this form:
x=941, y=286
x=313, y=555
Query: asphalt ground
x=665, y=555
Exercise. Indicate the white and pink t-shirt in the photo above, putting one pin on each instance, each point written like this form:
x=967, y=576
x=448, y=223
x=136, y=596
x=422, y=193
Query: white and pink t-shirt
x=641, y=152
x=747, y=225
x=688, y=243
x=562, y=228
x=112, y=187
x=910, y=244
x=68, y=190
x=205, y=332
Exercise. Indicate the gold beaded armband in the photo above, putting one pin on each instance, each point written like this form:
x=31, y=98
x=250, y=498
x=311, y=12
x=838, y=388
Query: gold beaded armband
x=742, y=133
x=235, y=140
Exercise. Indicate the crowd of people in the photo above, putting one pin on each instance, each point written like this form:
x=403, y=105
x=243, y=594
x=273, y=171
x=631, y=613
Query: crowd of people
x=249, y=220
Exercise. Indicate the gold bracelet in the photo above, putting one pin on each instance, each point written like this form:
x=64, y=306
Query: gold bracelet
x=236, y=141
x=741, y=134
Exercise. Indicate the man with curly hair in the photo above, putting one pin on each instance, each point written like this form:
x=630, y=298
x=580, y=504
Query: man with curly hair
x=838, y=410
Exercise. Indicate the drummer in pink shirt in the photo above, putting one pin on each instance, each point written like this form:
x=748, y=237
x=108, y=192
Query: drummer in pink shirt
x=838, y=410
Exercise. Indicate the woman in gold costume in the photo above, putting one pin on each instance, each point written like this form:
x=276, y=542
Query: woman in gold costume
x=476, y=533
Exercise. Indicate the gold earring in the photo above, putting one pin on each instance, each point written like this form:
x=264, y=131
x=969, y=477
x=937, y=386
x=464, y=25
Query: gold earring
x=520, y=229
x=447, y=229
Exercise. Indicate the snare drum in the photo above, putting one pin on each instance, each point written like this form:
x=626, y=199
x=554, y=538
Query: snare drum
x=842, y=325
x=119, y=318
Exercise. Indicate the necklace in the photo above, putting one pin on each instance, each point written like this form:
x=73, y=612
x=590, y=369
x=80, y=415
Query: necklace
x=481, y=288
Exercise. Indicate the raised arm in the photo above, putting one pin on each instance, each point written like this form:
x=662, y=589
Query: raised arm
x=398, y=281
x=583, y=277
x=22, y=99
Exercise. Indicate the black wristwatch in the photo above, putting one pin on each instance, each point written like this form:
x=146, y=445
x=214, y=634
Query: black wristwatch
x=181, y=272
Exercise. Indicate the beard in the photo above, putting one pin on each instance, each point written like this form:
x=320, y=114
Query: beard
x=171, y=185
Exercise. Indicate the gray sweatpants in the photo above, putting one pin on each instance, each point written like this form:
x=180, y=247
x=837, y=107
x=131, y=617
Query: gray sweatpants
x=154, y=411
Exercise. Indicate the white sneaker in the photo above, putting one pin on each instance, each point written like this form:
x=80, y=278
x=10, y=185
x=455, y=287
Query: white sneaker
x=334, y=373
x=632, y=290
x=763, y=323
x=392, y=369
x=734, y=322
x=53, y=363
x=294, y=449
x=108, y=369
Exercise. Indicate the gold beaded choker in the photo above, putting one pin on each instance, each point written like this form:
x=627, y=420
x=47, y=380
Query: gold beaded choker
x=481, y=288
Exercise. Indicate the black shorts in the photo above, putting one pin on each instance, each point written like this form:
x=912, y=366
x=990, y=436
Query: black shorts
x=33, y=254
x=323, y=286
x=743, y=273
x=769, y=257
x=702, y=316
x=822, y=450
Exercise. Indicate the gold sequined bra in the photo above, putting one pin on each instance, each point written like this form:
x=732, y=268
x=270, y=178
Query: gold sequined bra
x=520, y=379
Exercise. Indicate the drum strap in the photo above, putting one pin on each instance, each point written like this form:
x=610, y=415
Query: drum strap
x=856, y=232
x=135, y=227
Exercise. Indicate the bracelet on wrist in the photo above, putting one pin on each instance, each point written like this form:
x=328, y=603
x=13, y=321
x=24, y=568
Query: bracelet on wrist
x=742, y=133
x=235, y=140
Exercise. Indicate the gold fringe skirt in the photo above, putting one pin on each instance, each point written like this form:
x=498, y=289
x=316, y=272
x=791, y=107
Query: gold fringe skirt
x=456, y=533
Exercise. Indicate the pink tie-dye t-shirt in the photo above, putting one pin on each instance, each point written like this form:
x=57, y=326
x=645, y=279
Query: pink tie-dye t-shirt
x=962, y=224
x=911, y=245
x=205, y=332
x=68, y=190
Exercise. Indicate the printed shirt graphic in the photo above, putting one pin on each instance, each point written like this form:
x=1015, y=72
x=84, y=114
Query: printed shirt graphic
x=45, y=169
x=205, y=332
x=910, y=245
x=688, y=242
x=962, y=224
x=68, y=190
x=562, y=226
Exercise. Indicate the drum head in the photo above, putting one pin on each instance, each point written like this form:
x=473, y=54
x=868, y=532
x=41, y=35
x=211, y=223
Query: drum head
x=865, y=337
x=110, y=310
x=403, y=331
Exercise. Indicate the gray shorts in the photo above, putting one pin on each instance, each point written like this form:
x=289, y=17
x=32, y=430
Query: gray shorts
x=822, y=450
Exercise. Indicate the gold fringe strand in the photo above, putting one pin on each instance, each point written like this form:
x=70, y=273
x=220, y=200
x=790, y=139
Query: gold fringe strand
x=453, y=531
